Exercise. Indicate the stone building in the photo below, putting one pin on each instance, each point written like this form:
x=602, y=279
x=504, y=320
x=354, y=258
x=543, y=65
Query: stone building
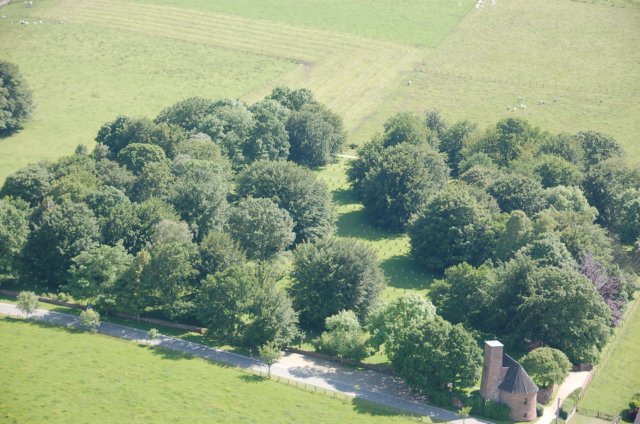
x=505, y=381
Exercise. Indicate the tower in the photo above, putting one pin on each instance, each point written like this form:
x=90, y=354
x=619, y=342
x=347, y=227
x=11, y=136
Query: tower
x=492, y=370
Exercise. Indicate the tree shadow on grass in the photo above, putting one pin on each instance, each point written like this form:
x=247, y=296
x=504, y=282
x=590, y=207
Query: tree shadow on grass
x=252, y=378
x=403, y=273
x=165, y=353
x=44, y=324
x=354, y=224
x=363, y=406
x=344, y=196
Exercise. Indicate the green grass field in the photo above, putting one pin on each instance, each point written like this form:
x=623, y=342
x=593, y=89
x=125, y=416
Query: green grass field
x=55, y=375
x=136, y=57
x=618, y=377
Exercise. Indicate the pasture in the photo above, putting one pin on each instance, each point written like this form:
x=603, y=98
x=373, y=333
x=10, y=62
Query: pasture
x=618, y=376
x=134, y=58
x=92, y=60
x=69, y=374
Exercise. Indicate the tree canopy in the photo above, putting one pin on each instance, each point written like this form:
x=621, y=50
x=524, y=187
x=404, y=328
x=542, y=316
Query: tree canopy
x=16, y=104
x=333, y=275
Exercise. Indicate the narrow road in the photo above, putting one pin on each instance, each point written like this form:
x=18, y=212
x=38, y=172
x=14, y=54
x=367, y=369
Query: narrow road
x=369, y=385
x=572, y=382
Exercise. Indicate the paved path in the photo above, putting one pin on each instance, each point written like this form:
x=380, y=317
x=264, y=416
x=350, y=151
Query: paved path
x=372, y=386
x=575, y=380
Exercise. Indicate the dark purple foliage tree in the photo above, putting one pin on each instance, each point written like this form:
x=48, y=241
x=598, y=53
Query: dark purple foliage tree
x=610, y=285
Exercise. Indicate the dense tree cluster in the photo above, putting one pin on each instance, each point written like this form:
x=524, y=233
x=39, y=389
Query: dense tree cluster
x=528, y=225
x=178, y=214
x=288, y=124
x=191, y=215
x=16, y=104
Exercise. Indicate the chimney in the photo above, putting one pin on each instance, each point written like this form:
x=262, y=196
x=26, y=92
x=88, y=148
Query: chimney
x=491, y=369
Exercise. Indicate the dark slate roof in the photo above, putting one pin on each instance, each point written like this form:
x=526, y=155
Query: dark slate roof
x=516, y=380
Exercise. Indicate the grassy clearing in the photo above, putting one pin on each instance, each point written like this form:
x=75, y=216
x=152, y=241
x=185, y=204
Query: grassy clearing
x=145, y=385
x=419, y=22
x=618, y=376
x=392, y=249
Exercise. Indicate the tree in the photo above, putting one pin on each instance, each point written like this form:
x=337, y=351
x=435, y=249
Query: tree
x=343, y=337
x=294, y=189
x=123, y=130
x=507, y=141
x=454, y=140
x=223, y=300
x=563, y=309
x=16, y=104
x=407, y=127
x=598, y=147
x=435, y=353
x=90, y=319
x=199, y=146
x=315, y=134
x=229, y=123
x=219, y=251
x=464, y=413
x=270, y=315
x=133, y=296
x=137, y=155
x=171, y=276
x=562, y=198
x=565, y=146
x=604, y=184
x=518, y=192
x=27, y=302
x=200, y=194
x=452, y=228
x=466, y=295
x=112, y=174
x=155, y=179
x=368, y=157
x=610, y=284
x=269, y=139
x=548, y=250
x=153, y=334
x=292, y=99
x=270, y=354
x=398, y=186
x=95, y=273
x=555, y=171
x=386, y=322
x=167, y=231
x=188, y=113
x=332, y=275
x=60, y=233
x=14, y=231
x=546, y=366
x=517, y=233
x=30, y=183
x=628, y=217
x=261, y=227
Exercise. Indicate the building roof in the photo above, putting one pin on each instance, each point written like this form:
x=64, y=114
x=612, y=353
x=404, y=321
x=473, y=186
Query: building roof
x=516, y=380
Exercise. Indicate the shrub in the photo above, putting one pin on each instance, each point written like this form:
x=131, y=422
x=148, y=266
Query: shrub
x=153, y=334
x=487, y=408
x=343, y=337
x=570, y=403
x=90, y=319
x=539, y=410
x=496, y=411
x=27, y=302
x=634, y=406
